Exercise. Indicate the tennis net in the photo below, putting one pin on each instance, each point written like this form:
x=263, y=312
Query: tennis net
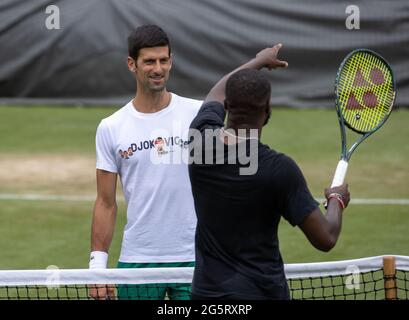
x=374, y=278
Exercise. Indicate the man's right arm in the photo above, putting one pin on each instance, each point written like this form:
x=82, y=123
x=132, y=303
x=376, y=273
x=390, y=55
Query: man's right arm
x=266, y=58
x=105, y=209
x=103, y=225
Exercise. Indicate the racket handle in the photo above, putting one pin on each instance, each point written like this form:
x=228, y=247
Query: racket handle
x=340, y=173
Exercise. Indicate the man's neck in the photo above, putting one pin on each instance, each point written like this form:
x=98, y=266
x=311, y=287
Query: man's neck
x=244, y=130
x=151, y=102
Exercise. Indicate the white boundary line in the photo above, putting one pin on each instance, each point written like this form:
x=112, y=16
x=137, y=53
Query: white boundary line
x=77, y=198
x=45, y=197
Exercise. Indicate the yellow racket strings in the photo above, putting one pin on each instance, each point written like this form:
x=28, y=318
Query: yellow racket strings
x=365, y=91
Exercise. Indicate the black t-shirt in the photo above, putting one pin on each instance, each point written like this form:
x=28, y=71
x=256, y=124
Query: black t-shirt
x=237, y=249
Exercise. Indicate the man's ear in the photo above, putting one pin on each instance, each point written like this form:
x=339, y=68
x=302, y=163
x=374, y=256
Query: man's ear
x=131, y=64
x=226, y=105
x=267, y=112
x=171, y=61
x=268, y=107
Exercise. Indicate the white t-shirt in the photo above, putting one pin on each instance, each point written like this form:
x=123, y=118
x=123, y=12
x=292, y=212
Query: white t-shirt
x=149, y=152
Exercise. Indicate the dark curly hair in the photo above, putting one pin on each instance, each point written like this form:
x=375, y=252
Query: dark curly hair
x=247, y=94
x=146, y=36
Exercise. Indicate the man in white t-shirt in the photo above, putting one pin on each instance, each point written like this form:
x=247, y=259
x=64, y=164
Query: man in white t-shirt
x=145, y=143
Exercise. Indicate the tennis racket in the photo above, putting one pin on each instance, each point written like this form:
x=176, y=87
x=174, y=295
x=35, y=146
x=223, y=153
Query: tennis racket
x=365, y=91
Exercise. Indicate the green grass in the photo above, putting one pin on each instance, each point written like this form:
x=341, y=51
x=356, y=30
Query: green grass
x=51, y=130
x=367, y=230
x=37, y=234
x=378, y=168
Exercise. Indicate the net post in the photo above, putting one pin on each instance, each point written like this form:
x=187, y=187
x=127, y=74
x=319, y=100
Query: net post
x=389, y=276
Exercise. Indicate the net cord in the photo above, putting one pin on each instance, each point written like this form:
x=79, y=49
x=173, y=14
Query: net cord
x=179, y=275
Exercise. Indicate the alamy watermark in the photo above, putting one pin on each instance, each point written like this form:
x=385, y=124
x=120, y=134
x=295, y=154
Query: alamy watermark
x=53, y=279
x=208, y=147
x=354, y=17
x=222, y=146
x=52, y=21
x=353, y=278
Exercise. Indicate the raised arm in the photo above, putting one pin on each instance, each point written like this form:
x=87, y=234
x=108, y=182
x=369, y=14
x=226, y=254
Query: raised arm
x=323, y=230
x=266, y=58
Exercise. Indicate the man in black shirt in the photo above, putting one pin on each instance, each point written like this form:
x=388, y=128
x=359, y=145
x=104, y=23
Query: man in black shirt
x=238, y=211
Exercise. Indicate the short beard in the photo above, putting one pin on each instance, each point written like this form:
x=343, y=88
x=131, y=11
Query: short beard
x=158, y=88
x=152, y=88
